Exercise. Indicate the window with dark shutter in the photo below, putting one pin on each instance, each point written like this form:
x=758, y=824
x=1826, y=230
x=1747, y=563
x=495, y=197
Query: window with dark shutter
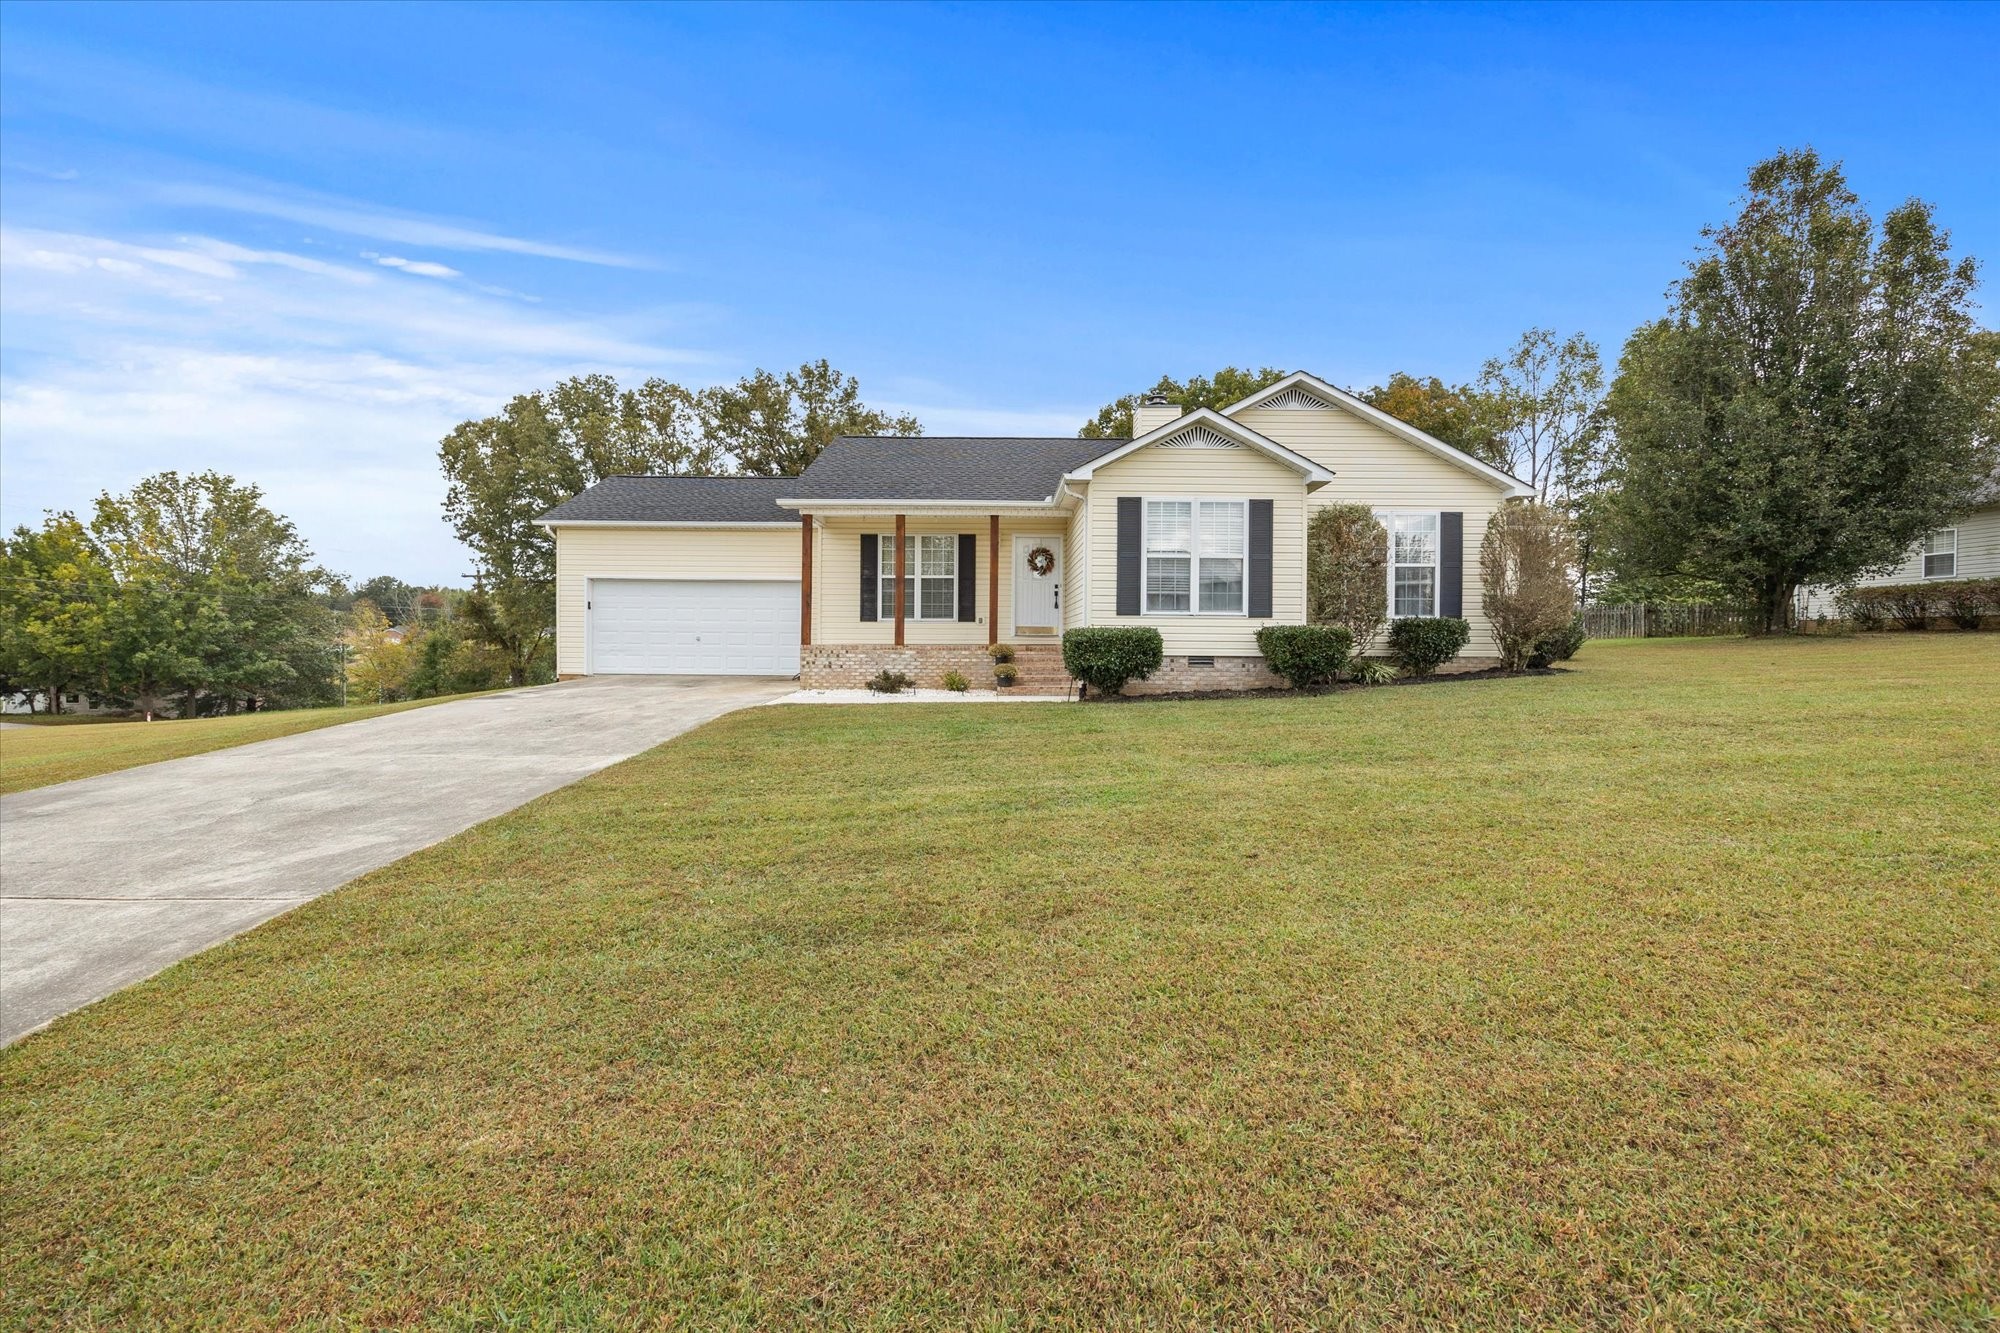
x=968, y=585
x=1260, y=558
x=1451, y=564
x=869, y=556
x=1130, y=539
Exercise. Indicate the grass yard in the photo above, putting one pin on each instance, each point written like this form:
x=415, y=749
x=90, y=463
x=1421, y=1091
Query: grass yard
x=51, y=752
x=1665, y=994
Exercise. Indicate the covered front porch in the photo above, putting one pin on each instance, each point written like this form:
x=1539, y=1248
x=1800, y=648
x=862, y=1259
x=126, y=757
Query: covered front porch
x=929, y=591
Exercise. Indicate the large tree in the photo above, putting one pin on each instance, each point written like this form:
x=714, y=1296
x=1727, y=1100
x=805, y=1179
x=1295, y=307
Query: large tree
x=775, y=425
x=1815, y=400
x=217, y=593
x=1549, y=392
x=1228, y=385
x=55, y=599
x=1464, y=416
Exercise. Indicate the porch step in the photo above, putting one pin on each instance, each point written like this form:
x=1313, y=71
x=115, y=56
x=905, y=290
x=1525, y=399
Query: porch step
x=1041, y=668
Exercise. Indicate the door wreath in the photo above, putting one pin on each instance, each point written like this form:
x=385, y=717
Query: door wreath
x=1041, y=562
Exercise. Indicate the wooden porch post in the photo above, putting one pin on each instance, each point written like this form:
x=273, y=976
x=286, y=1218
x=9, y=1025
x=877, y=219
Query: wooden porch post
x=805, y=580
x=993, y=580
x=899, y=580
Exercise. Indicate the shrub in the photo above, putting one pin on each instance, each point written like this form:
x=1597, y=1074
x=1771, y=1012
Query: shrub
x=1371, y=671
x=1309, y=656
x=956, y=683
x=1006, y=673
x=1001, y=652
x=1560, y=645
x=1968, y=601
x=1858, y=607
x=890, y=682
x=1524, y=564
x=1105, y=658
x=1422, y=644
x=1910, y=604
x=1347, y=583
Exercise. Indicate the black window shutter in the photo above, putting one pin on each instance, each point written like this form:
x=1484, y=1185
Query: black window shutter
x=968, y=576
x=1129, y=538
x=1451, y=564
x=871, y=586
x=1260, y=558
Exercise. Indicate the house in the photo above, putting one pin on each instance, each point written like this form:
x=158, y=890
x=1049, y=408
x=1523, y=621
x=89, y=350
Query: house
x=1195, y=526
x=1968, y=549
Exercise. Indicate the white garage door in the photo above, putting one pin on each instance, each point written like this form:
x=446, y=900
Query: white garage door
x=684, y=627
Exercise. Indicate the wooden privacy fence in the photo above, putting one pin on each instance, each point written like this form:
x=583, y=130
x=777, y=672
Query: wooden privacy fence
x=1645, y=620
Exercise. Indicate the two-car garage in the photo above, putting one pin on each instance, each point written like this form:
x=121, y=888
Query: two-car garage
x=703, y=627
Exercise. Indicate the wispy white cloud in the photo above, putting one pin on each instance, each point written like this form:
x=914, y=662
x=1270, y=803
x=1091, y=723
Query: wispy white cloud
x=377, y=224
x=422, y=268
x=327, y=383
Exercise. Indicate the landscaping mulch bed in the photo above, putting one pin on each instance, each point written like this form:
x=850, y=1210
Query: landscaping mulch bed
x=1490, y=673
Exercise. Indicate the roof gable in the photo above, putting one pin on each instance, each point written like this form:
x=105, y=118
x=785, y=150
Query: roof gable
x=1301, y=391
x=1206, y=429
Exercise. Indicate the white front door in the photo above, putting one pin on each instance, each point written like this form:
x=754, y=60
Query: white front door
x=1038, y=597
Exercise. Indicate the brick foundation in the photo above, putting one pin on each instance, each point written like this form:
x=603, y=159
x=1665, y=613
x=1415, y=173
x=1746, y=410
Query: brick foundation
x=849, y=666
x=1175, y=676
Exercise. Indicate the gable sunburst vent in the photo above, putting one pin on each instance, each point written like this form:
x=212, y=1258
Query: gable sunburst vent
x=1296, y=400
x=1198, y=437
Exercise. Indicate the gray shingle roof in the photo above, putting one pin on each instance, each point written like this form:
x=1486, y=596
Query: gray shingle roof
x=932, y=467
x=678, y=500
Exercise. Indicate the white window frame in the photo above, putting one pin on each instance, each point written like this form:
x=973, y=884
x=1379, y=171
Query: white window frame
x=1388, y=518
x=1195, y=557
x=885, y=575
x=1926, y=554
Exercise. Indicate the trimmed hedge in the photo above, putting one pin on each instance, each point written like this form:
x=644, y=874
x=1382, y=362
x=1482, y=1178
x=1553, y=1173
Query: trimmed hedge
x=1309, y=656
x=1422, y=644
x=1964, y=602
x=1105, y=658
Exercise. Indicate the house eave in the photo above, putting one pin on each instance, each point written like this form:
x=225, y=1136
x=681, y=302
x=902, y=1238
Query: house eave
x=889, y=505
x=740, y=526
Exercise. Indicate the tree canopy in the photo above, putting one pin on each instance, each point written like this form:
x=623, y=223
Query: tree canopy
x=185, y=585
x=1815, y=399
x=1469, y=419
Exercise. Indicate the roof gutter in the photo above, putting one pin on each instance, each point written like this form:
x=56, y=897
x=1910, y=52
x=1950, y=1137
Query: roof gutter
x=892, y=504
x=553, y=523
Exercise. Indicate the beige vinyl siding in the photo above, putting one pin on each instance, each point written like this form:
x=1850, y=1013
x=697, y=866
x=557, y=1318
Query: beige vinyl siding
x=1200, y=474
x=659, y=553
x=1076, y=589
x=837, y=577
x=1378, y=469
x=1978, y=558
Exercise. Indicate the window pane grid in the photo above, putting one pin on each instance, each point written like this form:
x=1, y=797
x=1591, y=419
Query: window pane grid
x=1414, y=565
x=1196, y=553
x=930, y=583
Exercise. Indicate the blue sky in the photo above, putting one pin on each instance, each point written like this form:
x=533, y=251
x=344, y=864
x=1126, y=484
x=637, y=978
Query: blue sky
x=298, y=243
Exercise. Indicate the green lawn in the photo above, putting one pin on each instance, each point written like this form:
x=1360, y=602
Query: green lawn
x=1664, y=994
x=52, y=752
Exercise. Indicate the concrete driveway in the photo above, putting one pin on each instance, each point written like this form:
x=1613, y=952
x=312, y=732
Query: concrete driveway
x=105, y=881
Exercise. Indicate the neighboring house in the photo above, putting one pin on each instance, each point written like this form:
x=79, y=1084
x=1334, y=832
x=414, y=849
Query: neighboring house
x=1196, y=527
x=1968, y=549
x=79, y=703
